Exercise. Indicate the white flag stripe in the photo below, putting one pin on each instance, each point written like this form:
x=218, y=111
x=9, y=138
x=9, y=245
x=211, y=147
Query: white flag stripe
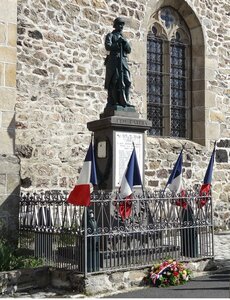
x=125, y=189
x=176, y=184
x=84, y=177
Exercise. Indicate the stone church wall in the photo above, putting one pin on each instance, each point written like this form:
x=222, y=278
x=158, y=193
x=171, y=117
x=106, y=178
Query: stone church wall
x=60, y=83
x=9, y=163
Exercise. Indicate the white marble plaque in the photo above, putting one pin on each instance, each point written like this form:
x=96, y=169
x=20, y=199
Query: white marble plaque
x=124, y=146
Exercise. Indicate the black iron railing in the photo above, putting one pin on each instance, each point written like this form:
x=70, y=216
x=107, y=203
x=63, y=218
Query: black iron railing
x=111, y=234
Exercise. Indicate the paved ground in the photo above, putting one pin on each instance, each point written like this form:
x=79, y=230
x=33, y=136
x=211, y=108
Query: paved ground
x=215, y=285
x=212, y=286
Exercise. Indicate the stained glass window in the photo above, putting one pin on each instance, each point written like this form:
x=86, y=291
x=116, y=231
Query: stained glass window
x=167, y=17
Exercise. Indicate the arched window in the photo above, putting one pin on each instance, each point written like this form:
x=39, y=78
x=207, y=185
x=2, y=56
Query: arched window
x=169, y=75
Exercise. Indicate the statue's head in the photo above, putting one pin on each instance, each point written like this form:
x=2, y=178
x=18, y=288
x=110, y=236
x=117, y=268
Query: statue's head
x=118, y=21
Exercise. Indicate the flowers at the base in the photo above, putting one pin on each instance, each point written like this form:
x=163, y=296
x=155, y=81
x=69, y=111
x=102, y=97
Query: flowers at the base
x=169, y=272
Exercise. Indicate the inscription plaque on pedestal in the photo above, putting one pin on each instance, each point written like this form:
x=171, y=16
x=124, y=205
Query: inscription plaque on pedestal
x=114, y=137
x=124, y=146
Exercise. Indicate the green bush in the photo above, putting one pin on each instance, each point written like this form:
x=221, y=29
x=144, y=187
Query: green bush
x=10, y=261
x=6, y=257
x=27, y=262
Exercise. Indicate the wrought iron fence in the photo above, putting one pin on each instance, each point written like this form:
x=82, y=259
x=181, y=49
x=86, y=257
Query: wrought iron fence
x=112, y=234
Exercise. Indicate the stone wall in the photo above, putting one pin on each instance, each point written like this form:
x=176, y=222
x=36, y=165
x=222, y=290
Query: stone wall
x=9, y=164
x=24, y=279
x=60, y=80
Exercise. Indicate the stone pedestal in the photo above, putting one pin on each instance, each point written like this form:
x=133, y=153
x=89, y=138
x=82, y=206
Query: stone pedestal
x=114, y=135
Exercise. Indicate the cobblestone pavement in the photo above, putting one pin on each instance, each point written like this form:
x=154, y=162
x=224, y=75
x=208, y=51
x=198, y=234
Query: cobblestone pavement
x=222, y=258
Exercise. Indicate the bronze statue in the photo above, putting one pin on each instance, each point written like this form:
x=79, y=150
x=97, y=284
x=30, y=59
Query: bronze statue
x=117, y=79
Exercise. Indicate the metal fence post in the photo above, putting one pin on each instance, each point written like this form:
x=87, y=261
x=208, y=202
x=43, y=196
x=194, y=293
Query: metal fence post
x=85, y=242
x=212, y=213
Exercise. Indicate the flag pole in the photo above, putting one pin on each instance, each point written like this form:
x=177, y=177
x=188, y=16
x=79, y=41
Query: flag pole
x=214, y=148
x=92, y=135
x=214, y=151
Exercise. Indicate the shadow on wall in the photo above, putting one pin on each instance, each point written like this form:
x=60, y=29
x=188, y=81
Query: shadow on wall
x=9, y=217
x=11, y=131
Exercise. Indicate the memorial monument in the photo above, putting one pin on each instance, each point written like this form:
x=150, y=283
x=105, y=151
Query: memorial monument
x=119, y=125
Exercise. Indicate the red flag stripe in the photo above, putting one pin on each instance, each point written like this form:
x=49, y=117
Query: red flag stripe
x=125, y=207
x=204, y=191
x=80, y=195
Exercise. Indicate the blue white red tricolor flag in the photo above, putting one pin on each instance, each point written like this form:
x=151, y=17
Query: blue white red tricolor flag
x=80, y=195
x=130, y=178
x=175, y=183
x=206, y=186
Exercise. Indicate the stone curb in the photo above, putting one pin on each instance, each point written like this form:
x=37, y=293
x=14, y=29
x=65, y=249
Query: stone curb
x=222, y=233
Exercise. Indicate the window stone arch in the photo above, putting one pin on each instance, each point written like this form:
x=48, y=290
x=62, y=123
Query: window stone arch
x=169, y=75
x=198, y=83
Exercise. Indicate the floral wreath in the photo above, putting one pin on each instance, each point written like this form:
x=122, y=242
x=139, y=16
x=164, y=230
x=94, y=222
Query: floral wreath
x=168, y=273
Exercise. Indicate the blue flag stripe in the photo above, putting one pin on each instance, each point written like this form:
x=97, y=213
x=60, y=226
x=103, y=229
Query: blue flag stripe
x=90, y=157
x=133, y=175
x=208, y=174
x=177, y=170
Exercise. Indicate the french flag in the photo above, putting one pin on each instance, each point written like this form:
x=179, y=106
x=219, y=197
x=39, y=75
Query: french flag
x=175, y=180
x=130, y=178
x=175, y=183
x=206, y=186
x=80, y=195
